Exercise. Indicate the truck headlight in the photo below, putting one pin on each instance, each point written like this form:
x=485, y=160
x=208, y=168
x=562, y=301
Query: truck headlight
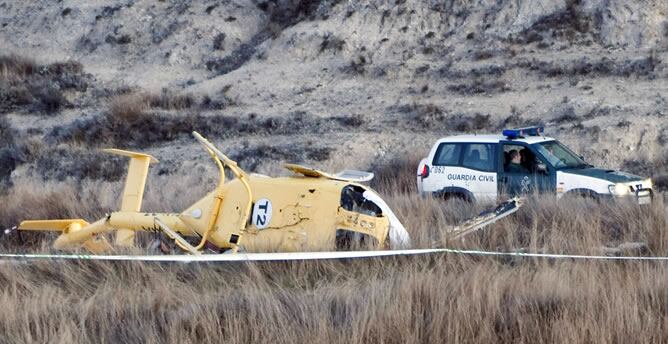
x=619, y=189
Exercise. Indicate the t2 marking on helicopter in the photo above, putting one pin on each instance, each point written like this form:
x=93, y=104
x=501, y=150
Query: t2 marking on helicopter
x=262, y=213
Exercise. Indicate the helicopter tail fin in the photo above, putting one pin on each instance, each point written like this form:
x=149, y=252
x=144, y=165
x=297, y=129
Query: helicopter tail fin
x=133, y=193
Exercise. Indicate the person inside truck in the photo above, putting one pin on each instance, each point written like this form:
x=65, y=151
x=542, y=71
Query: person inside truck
x=515, y=163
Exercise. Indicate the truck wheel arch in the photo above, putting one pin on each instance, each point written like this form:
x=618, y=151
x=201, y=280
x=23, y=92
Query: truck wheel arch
x=455, y=192
x=583, y=193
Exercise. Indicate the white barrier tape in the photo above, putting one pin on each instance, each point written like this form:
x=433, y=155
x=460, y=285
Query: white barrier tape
x=305, y=256
x=237, y=257
x=552, y=255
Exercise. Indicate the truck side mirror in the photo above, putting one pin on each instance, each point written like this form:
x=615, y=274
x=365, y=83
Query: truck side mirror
x=540, y=167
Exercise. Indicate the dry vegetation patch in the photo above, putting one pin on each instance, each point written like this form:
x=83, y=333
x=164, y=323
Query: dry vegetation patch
x=250, y=158
x=34, y=88
x=429, y=116
x=13, y=150
x=138, y=120
x=646, y=67
x=13, y=66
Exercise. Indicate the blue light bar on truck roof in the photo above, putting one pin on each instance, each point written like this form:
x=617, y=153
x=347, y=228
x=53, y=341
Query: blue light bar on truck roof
x=521, y=132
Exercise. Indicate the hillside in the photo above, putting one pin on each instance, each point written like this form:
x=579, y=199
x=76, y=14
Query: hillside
x=321, y=81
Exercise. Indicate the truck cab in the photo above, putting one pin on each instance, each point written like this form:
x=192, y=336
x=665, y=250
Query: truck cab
x=482, y=168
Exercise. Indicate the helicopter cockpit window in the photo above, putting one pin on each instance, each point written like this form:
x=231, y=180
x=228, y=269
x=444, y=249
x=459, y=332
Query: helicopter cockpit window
x=352, y=199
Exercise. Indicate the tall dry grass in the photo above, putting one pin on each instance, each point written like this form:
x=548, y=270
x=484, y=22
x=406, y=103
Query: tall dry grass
x=441, y=298
x=13, y=66
x=429, y=299
x=130, y=105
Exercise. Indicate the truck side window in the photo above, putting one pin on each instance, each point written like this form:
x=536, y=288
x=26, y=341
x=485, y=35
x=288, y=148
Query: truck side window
x=479, y=156
x=447, y=154
x=525, y=162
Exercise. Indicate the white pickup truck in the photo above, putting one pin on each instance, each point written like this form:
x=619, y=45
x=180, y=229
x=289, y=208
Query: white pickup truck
x=519, y=161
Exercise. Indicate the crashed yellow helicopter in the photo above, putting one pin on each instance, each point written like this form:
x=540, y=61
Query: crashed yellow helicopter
x=309, y=211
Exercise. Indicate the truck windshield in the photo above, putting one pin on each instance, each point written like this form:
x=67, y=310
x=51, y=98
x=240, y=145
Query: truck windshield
x=559, y=156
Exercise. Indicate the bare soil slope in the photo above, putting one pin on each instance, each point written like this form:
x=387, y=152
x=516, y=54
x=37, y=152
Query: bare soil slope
x=319, y=81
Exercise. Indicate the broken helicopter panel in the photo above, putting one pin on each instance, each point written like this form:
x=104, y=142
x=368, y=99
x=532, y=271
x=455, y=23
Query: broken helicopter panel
x=486, y=218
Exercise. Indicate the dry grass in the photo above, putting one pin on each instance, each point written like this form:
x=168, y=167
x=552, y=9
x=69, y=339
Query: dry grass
x=29, y=87
x=13, y=66
x=446, y=298
x=129, y=106
x=436, y=299
x=139, y=120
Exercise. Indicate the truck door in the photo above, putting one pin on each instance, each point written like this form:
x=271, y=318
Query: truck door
x=522, y=171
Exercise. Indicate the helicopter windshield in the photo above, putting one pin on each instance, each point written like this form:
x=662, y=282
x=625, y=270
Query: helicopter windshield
x=399, y=237
x=358, y=199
